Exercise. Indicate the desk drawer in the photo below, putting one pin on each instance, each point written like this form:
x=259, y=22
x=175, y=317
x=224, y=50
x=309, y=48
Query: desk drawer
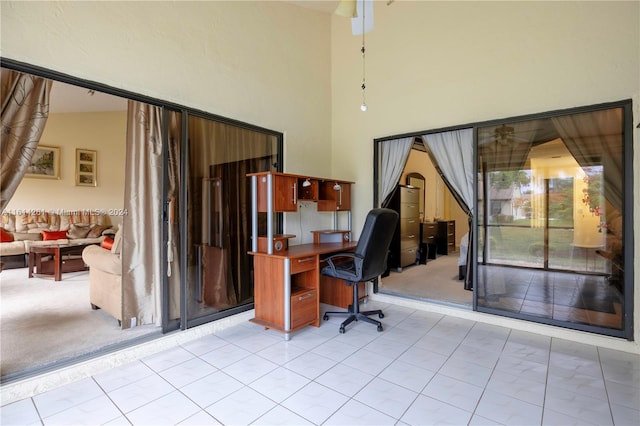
x=305, y=263
x=428, y=239
x=409, y=210
x=304, y=307
x=429, y=232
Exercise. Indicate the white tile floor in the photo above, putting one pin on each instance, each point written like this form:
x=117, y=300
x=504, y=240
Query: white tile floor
x=424, y=368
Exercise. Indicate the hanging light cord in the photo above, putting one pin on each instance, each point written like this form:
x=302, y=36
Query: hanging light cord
x=363, y=107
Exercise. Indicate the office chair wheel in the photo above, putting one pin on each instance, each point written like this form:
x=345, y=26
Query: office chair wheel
x=379, y=328
x=342, y=330
x=325, y=317
x=380, y=315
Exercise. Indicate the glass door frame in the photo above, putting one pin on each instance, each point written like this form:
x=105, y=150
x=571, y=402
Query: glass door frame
x=626, y=330
x=185, y=321
x=627, y=213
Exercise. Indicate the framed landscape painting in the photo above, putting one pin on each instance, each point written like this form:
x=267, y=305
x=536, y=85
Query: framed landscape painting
x=45, y=163
x=86, y=161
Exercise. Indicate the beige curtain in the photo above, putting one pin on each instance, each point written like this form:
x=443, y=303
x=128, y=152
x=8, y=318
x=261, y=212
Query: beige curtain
x=25, y=108
x=142, y=226
x=173, y=195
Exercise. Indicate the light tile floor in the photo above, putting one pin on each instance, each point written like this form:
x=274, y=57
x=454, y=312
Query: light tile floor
x=423, y=369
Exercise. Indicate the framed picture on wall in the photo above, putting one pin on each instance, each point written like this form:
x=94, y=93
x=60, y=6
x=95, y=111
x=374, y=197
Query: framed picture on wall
x=86, y=162
x=45, y=163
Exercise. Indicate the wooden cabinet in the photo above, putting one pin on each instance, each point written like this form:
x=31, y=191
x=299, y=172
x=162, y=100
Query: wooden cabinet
x=304, y=307
x=428, y=239
x=285, y=191
x=334, y=196
x=331, y=195
x=336, y=292
x=284, y=194
x=279, y=278
x=308, y=189
x=446, y=239
x=406, y=240
x=287, y=288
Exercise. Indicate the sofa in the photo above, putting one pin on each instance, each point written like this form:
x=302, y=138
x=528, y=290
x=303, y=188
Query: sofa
x=23, y=230
x=105, y=275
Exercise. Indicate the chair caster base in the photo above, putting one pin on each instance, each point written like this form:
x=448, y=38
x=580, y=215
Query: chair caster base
x=356, y=316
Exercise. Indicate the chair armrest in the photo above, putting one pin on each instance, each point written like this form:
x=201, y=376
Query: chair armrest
x=329, y=259
x=357, y=261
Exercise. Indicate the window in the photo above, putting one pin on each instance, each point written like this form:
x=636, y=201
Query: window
x=551, y=218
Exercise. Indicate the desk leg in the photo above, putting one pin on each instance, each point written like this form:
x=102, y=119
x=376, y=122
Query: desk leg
x=287, y=299
x=31, y=263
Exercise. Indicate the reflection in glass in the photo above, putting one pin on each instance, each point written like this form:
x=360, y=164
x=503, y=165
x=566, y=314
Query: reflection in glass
x=219, y=270
x=550, y=218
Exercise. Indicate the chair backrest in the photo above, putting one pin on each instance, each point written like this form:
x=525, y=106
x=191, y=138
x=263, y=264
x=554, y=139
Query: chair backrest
x=375, y=240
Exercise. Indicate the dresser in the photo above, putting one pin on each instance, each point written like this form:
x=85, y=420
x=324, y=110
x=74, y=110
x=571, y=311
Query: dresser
x=446, y=239
x=428, y=238
x=406, y=240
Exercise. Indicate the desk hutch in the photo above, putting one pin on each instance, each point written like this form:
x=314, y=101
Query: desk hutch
x=288, y=287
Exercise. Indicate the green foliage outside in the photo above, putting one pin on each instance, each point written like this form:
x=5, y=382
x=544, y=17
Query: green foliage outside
x=525, y=245
x=507, y=179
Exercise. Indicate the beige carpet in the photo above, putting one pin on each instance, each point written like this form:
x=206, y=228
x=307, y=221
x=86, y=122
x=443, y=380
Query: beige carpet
x=43, y=321
x=436, y=281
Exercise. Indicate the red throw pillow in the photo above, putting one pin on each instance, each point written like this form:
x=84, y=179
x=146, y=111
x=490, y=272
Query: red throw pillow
x=54, y=235
x=5, y=236
x=107, y=243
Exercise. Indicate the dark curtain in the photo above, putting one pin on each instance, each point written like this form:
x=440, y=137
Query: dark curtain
x=25, y=108
x=236, y=211
x=219, y=268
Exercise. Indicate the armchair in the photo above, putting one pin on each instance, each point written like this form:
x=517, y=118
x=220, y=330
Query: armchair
x=367, y=262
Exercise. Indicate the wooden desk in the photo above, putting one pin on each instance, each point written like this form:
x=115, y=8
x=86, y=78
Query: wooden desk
x=287, y=285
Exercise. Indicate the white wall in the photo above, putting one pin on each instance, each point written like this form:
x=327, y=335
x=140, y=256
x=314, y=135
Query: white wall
x=264, y=63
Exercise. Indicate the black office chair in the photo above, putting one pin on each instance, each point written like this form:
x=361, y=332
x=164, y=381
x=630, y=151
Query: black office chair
x=367, y=262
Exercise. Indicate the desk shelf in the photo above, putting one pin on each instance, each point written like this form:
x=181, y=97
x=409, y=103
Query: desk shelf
x=331, y=236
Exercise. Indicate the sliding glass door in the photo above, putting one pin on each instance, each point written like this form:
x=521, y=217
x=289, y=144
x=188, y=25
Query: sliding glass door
x=551, y=219
x=551, y=238
x=216, y=233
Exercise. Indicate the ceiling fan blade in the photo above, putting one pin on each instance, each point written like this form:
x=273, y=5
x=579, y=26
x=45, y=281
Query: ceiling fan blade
x=346, y=8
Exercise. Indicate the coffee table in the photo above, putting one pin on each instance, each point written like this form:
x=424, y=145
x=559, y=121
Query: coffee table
x=61, y=262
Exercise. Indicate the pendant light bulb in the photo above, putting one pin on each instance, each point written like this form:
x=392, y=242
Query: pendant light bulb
x=363, y=107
